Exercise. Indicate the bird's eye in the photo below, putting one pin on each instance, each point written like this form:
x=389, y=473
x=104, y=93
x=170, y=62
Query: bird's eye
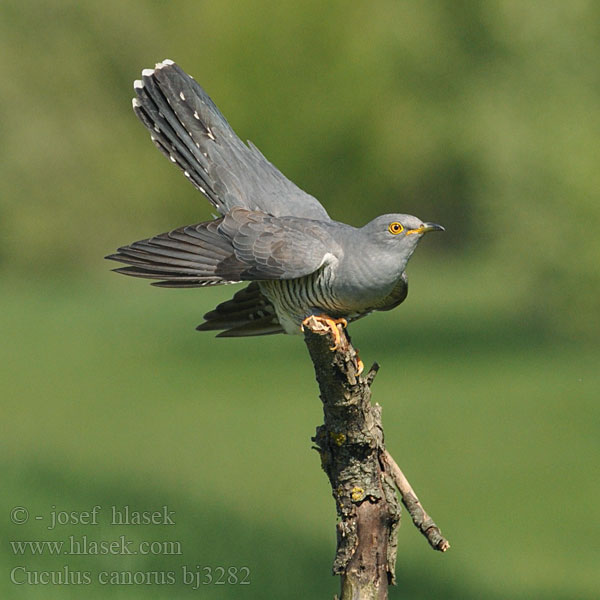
x=395, y=228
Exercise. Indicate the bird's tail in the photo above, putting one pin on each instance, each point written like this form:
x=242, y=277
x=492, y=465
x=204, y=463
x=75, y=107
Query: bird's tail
x=183, y=122
x=192, y=256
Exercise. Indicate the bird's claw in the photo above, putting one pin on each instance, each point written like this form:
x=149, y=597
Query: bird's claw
x=322, y=324
x=326, y=323
x=359, y=364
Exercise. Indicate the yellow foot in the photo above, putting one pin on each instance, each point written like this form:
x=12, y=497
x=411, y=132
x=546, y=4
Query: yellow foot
x=360, y=364
x=327, y=323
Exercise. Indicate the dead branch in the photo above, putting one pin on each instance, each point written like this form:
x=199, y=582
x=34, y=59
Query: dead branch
x=361, y=472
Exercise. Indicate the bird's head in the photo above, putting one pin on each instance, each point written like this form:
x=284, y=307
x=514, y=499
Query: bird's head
x=403, y=230
x=398, y=232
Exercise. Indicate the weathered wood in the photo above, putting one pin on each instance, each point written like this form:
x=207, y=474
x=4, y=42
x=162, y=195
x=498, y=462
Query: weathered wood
x=361, y=472
x=422, y=521
x=350, y=443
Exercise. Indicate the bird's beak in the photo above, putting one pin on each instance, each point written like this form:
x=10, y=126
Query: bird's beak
x=425, y=228
x=432, y=227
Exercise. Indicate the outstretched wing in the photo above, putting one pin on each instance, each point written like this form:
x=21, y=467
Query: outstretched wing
x=249, y=312
x=242, y=246
x=189, y=129
x=276, y=248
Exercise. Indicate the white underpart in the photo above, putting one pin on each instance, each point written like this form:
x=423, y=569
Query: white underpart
x=329, y=259
x=293, y=299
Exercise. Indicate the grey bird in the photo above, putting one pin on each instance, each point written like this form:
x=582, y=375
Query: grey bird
x=300, y=263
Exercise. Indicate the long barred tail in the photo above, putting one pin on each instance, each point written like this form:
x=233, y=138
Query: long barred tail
x=184, y=124
x=188, y=128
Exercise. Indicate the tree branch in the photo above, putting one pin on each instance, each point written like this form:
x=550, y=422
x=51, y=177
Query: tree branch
x=423, y=522
x=361, y=472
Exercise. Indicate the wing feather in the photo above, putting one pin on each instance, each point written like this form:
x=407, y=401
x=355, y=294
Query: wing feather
x=242, y=246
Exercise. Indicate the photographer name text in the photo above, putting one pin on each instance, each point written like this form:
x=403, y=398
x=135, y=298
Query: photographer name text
x=95, y=515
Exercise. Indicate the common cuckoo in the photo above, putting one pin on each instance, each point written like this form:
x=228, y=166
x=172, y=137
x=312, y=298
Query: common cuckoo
x=300, y=263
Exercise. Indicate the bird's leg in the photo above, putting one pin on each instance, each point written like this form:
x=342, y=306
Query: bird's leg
x=360, y=363
x=325, y=324
x=328, y=323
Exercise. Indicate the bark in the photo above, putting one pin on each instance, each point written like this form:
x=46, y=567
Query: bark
x=361, y=472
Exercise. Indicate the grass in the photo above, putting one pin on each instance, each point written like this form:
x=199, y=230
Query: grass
x=111, y=398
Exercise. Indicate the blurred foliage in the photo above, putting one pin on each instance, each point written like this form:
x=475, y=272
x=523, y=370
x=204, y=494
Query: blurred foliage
x=110, y=397
x=482, y=116
x=479, y=115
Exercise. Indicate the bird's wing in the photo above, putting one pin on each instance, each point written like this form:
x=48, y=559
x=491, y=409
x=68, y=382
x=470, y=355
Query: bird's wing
x=189, y=129
x=249, y=312
x=242, y=246
x=277, y=247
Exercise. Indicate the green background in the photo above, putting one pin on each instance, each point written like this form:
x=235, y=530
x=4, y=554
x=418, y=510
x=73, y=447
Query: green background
x=482, y=116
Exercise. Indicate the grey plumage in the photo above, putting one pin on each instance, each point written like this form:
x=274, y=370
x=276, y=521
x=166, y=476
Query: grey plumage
x=190, y=130
x=271, y=233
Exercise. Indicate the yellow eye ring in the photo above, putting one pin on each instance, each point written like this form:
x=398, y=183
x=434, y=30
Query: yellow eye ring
x=395, y=228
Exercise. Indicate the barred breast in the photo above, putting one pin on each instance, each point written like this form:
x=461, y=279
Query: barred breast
x=295, y=299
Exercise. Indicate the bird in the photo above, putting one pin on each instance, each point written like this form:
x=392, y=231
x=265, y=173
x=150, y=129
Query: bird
x=298, y=263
